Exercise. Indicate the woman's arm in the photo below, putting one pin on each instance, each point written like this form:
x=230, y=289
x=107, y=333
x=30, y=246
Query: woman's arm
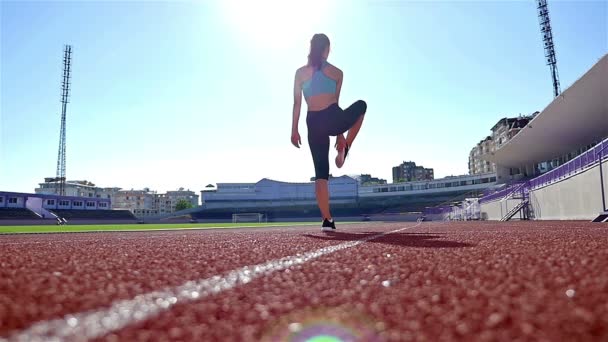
x=297, y=104
x=339, y=76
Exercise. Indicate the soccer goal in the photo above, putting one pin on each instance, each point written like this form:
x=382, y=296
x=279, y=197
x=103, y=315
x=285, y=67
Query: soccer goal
x=249, y=217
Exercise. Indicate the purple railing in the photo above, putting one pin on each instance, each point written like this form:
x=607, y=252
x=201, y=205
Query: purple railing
x=509, y=190
x=575, y=165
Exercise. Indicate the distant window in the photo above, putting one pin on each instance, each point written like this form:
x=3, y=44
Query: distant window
x=12, y=200
x=1, y=199
x=50, y=202
x=90, y=204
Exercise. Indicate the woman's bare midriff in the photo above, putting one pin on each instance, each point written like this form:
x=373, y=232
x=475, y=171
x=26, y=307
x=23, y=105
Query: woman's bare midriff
x=320, y=102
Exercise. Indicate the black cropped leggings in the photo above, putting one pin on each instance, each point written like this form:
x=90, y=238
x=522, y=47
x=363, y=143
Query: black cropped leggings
x=322, y=124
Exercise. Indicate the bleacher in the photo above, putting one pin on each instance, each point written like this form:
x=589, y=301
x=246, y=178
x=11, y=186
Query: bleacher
x=71, y=214
x=576, y=165
x=278, y=213
x=17, y=214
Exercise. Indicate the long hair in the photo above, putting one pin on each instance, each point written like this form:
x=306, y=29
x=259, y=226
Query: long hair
x=318, y=44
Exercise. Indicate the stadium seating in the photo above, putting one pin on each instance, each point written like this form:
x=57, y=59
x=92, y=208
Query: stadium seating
x=574, y=166
x=17, y=214
x=71, y=214
x=312, y=211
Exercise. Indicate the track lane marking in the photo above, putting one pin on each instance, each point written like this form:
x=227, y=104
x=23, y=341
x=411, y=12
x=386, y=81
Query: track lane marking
x=87, y=325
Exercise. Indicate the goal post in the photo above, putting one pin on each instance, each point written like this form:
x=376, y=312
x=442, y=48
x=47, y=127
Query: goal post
x=249, y=217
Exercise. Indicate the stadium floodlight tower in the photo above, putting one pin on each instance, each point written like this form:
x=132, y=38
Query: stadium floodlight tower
x=545, y=30
x=65, y=93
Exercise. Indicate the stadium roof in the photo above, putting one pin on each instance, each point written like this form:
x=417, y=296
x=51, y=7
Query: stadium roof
x=578, y=117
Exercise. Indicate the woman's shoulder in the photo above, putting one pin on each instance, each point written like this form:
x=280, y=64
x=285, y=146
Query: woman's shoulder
x=303, y=72
x=333, y=70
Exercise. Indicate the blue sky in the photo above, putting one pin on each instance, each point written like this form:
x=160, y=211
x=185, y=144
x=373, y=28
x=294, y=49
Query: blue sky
x=184, y=93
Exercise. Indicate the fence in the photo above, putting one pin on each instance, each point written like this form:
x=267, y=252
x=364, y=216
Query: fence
x=507, y=191
x=575, y=165
x=572, y=167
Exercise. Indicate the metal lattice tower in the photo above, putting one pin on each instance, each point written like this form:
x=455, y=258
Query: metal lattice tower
x=545, y=30
x=65, y=93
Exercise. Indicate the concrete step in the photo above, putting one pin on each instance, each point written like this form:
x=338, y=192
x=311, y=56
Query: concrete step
x=603, y=217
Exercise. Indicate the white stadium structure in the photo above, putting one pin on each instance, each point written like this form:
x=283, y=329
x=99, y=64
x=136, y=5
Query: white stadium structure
x=554, y=168
x=282, y=200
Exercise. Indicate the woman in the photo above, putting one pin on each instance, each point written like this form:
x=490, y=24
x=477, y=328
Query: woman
x=321, y=82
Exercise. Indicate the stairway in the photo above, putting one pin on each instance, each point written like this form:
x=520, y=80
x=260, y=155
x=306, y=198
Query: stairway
x=35, y=205
x=515, y=210
x=603, y=217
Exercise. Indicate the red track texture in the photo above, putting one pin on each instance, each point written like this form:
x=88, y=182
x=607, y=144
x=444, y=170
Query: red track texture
x=466, y=281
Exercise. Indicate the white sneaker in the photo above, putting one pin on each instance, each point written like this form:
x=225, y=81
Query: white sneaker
x=328, y=226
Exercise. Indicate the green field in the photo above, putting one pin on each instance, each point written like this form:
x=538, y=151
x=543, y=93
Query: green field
x=142, y=227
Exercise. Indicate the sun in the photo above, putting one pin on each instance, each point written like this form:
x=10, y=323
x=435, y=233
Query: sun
x=267, y=22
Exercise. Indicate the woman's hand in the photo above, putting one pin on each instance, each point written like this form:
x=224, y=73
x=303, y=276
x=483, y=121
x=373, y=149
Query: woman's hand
x=295, y=138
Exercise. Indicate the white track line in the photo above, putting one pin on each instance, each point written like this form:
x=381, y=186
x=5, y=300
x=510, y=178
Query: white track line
x=83, y=326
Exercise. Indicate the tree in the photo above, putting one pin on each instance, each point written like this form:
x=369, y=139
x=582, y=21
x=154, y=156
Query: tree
x=183, y=204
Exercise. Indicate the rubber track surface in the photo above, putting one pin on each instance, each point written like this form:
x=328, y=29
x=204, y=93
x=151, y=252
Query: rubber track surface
x=470, y=281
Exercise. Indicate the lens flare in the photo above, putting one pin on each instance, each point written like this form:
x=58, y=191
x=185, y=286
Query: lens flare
x=323, y=325
x=324, y=338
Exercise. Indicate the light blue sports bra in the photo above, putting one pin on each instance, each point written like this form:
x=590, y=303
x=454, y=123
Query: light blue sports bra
x=319, y=83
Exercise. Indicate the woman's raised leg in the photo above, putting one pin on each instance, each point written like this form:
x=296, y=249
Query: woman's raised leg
x=354, y=115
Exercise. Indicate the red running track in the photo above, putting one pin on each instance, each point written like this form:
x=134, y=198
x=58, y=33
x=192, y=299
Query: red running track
x=469, y=281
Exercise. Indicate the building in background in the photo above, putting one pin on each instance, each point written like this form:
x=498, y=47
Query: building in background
x=77, y=188
x=502, y=132
x=409, y=172
x=506, y=128
x=140, y=202
x=366, y=179
x=165, y=203
x=296, y=201
x=478, y=165
x=268, y=193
